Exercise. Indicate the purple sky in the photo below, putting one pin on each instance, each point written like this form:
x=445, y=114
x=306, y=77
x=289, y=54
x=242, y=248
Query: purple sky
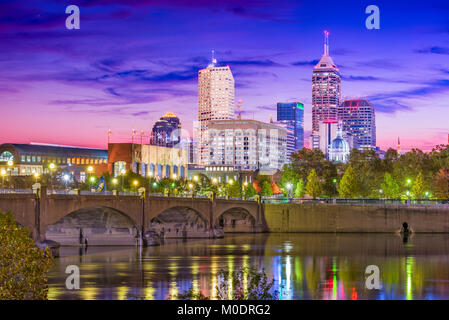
x=132, y=61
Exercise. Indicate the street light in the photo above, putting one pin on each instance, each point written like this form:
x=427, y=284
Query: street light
x=135, y=183
x=3, y=173
x=10, y=164
x=289, y=187
x=122, y=173
x=92, y=180
x=195, y=178
x=174, y=176
x=36, y=175
x=66, y=179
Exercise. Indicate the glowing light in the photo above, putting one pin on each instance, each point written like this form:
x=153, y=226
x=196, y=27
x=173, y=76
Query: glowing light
x=90, y=169
x=135, y=182
x=195, y=178
x=114, y=181
x=66, y=177
x=10, y=163
x=92, y=179
x=123, y=171
x=190, y=185
x=3, y=172
x=52, y=166
x=214, y=180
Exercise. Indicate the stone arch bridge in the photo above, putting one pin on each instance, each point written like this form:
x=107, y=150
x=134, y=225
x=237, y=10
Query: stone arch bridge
x=37, y=213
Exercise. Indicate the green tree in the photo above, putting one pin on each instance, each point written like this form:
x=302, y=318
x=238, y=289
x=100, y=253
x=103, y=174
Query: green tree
x=441, y=185
x=265, y=189
x=299, y=190
x=419, y=187
x=348, y=187
x=23, y=266
x=234, y=190
x=313, y=186
x=250, y=191
x=390, y=187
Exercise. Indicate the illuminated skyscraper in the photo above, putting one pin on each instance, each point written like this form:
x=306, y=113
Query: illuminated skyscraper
x=326, y=89
x=166, y=131
x=359, y=120
x=215, y=102
x=292, y=113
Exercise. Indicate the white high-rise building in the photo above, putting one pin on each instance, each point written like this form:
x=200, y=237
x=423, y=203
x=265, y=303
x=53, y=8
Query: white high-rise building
x=326, y=89
x=216, y=95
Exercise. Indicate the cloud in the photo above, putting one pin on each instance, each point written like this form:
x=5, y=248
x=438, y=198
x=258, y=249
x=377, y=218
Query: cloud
x=305, y=63
x=360, y=78
x=259, y=63
x=434, y=50
x=269, y=108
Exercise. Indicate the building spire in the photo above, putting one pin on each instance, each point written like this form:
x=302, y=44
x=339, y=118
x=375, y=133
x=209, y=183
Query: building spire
x=213, y=61
x=326, y=43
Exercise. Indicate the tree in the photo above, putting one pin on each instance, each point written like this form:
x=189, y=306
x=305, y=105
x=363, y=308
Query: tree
x=441, y=186
x=348, y=187
x=266, y=190
x=250, y=191
x=23, y=266
x=299, y=190
x=419, y=187
x=390, y=187
x=313, y=186
x=234, y=190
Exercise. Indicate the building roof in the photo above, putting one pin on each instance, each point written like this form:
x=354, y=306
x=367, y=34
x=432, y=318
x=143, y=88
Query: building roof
x=58, y=151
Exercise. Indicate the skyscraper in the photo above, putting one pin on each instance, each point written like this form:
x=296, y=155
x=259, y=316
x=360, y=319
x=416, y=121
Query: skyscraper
x=326, y=88
x=215, y=102
x=292, y=113
x=359, y=120
x=165, y=132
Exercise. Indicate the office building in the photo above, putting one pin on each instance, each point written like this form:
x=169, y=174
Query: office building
x=247, y=144
x=326, y=89
x=30, y=159
x=215, y=102
x=358, y=118
x=292, y=113
x=166, y=131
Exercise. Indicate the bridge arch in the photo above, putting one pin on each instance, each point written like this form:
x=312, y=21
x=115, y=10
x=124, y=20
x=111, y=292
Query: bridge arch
x=180, y=221
x=95, y=225
x=236, y=219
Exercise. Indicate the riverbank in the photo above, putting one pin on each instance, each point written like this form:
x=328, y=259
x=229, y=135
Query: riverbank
x=336, y=218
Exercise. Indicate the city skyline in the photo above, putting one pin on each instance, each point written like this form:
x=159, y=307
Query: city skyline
x=64, y=88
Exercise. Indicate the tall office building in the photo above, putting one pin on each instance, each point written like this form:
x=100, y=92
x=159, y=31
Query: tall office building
x=290, y=141
x=326, y=89
x=215, y=102
x=247, y=144
x=292, y=114
x=359, y=120
x=166, y=131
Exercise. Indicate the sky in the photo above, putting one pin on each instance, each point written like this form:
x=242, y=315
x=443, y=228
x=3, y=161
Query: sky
x=132, y=61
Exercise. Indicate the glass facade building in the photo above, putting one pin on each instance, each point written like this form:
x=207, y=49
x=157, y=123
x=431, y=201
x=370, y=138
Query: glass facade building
x=358, y=118
x=292, y=114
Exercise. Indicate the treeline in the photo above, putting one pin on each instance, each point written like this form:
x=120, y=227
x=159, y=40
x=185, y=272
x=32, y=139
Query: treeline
x=412, y=175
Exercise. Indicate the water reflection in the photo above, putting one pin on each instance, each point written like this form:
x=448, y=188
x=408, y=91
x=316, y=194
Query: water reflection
x=304, y=266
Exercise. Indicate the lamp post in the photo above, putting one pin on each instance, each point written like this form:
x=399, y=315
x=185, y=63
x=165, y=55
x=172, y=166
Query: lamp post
x=191, y=189
x=52, y=168
x=408, y=189
x=92, y=180
x=334, y=181
x=122, y=173
x=66, y=179
x=10, y=164
x=3, y=173
x=289, y=187
x=114, y=182
x=135, y=183
x=36, y=176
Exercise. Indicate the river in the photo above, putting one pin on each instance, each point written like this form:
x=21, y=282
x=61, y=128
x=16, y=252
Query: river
x=304, y=266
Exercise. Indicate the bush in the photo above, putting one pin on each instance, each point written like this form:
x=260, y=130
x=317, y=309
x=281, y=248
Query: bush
x=23, y=266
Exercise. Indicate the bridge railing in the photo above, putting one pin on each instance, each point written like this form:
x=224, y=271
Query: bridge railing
x=358, y=201
x=6, y=191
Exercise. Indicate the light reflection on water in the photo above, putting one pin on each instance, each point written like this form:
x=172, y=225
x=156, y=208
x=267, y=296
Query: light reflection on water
x=304, y=266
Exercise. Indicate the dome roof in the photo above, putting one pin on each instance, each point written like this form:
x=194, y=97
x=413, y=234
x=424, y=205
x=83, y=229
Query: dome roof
x=339, y=144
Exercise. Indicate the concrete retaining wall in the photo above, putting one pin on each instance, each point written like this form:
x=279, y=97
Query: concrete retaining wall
x=310, y=217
